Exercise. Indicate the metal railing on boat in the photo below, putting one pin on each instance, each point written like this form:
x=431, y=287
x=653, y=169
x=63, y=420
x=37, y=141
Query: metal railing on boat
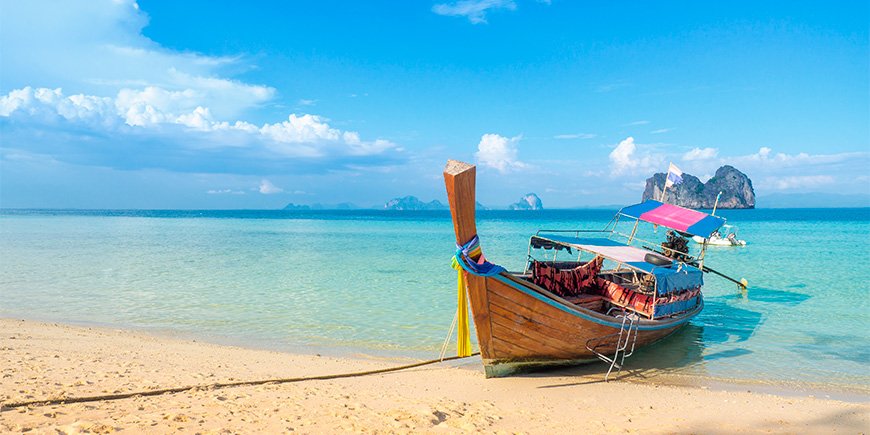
x=627, y=335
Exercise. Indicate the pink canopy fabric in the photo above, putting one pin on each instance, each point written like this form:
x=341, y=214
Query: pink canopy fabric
x=675, y=217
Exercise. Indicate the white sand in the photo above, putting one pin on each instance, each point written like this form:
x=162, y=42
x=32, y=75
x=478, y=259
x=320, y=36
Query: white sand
x=40, y=360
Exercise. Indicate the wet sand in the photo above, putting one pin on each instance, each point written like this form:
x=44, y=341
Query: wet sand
x=48, y=361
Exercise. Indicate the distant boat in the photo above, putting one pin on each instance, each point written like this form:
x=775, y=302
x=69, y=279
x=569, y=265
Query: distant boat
x=725, y=236
x=605, y=301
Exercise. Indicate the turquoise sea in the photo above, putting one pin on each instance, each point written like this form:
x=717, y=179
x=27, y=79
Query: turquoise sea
x=380, y=283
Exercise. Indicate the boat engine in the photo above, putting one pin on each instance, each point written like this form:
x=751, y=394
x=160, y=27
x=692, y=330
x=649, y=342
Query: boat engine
x=676, y=246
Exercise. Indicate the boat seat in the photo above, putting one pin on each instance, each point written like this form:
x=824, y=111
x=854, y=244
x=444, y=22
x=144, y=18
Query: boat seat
x=564, y=278
x=626, y=298
x=591, y=302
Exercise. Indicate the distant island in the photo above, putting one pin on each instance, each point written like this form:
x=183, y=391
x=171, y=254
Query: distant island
x=529, y=201
x=736, y=188
x=292, y=206
x=413, y=203
x=318, y=206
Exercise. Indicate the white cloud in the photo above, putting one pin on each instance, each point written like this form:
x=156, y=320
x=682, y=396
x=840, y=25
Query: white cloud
x=499, y=152
x=112, y=84
x=97, y=48
x=626, y=159
x=148, y=110
x=474, y=10
x=304, y=102
x=641, y=122
x=701, y=154
x=574, y=136
x=661, y=131
x=301, y=129
x=777, y=171
x=765, y=157
x=267, y=188
x=798, y=182
x=622, y=156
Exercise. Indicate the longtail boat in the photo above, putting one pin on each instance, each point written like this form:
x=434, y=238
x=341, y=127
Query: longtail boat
x=618, y=298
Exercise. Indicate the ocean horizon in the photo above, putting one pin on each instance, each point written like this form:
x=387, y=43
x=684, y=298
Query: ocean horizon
x=379, y=282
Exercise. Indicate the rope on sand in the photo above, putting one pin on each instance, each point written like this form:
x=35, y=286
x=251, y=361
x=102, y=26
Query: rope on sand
x=67, y=400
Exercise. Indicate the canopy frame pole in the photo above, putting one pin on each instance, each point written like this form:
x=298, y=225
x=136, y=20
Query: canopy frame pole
x=701, y=255
x=633, y=231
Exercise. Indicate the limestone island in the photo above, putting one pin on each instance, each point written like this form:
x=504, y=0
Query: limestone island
x=736, y=188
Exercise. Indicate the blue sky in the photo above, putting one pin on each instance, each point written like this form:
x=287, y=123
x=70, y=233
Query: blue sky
x=203, y=104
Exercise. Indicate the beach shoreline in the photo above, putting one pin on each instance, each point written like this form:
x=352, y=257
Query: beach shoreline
x=398, y=355
x=53, y=360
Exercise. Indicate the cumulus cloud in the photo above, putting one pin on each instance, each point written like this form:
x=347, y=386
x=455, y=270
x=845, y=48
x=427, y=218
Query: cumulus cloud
x=474, y=10
x=97, y=48
x=627, y=159
x=701, y=154
x=267, y=188
x=779, y=171
x=151, y=110
x=766, y=157
x=118, y=99
x=499, y=152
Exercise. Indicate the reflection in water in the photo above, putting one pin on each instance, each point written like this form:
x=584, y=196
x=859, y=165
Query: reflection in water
x=761, y=294
x=718, y=333
x=730, y=353
x=722, y=321
x=681, y=349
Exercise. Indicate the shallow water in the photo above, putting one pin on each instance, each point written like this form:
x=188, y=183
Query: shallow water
x=381, y=282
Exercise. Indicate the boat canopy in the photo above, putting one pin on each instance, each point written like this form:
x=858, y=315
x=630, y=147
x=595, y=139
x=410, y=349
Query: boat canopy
x=671, y=216
x=670, y=278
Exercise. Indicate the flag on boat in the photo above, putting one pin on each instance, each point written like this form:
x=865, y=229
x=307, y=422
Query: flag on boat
x=675, y=176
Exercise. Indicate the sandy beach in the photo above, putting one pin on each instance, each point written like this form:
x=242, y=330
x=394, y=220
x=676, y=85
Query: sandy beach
x=49, y=361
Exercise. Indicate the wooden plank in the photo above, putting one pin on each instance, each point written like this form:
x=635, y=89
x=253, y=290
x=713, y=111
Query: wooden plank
x=477, y=298
x=511, y=350
x=523, y=322
x=559, y=323
x=507, y=294
x=572, y=331
x=459, y=180
x=508, y=335
x=541, y=335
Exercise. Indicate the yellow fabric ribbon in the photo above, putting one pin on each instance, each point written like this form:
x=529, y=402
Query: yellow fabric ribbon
x=463, y=335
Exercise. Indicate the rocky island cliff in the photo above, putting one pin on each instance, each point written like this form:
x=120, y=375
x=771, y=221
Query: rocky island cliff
x=529, y=201
x=736, y=188
x=413, y=203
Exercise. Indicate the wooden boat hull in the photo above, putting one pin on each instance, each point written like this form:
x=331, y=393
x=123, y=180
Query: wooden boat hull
x=521, y=326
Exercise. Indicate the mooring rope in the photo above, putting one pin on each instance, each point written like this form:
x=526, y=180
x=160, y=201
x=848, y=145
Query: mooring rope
x=449, y=334
x=119, y=396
